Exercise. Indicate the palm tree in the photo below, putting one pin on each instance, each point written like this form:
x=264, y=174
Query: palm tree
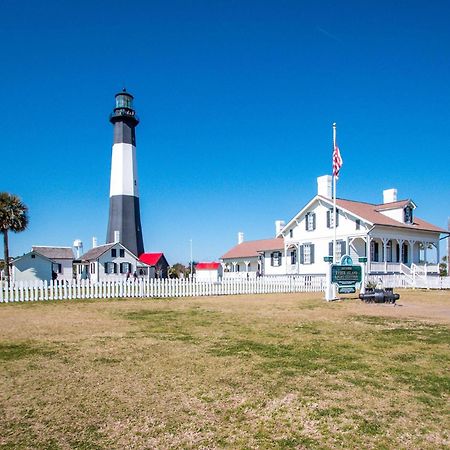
x=13, y=217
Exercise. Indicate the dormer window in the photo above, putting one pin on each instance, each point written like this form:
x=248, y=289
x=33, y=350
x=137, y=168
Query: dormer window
x=408, y=214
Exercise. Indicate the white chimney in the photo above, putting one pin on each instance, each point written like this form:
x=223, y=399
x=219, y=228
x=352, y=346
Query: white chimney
x=324, y=186
x=116, y=236
x=389, y=195
x=94, y=242
x=240, y=237
x=279, y=225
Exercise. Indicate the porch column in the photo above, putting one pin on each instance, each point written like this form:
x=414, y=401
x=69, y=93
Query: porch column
x=400, y=250
x=247, y=263
x=438, y=253
x=385, y=241
x=286, y=262
x=425, y=245
x=411, y=252
x=298, y=256
x=369, y=260
x=234, y=266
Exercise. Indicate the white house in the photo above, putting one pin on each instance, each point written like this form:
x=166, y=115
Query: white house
x=44, y=263
x=253, y=258
x=109, y=262
x=208, y=271
x=389, y=235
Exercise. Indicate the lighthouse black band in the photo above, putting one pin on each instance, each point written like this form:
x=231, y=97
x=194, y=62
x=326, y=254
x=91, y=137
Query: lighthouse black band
x=125, y=217
x=124, y=133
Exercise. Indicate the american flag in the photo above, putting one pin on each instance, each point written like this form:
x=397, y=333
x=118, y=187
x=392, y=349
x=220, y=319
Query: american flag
x=337, y=162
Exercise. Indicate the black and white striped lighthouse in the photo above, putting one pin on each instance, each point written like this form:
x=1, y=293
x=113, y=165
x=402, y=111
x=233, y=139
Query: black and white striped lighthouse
x=124, y=224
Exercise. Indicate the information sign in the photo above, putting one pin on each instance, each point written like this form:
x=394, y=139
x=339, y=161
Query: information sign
x=345, y=275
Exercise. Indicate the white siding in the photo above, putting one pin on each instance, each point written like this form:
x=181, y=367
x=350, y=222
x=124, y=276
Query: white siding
x=32, y=269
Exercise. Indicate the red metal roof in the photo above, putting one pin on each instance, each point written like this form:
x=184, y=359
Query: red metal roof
x=207, y=266
x=150, y=258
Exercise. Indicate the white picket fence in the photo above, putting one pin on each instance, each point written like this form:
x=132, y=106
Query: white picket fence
x=84, y=289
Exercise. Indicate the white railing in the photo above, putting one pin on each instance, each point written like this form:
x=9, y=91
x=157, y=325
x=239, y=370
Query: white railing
x=83, y=289
x=238, y=275
x=400, y=280
x=424, y=269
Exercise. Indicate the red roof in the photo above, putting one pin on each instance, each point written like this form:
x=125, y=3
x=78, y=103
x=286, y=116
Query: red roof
x=370, y=212
x=150, y=258
x=251, y=248
x=207, y=266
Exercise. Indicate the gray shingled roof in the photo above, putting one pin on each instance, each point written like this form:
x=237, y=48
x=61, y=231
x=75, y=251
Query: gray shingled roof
x=54, y=252
x=96, y=252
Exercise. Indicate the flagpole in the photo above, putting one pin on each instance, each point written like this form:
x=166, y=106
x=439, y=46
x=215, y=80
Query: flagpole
x=334, y=198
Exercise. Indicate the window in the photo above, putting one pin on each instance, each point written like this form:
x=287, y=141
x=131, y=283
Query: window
x=330, y=218
x=238, y=268
x=358, y=224
x=389, y=251
x=57, y=268
x=291, y=233
x=110, y=267
x=340, y=249
x=374, y=251
x=307, y=254
x=408, y=214
x=33, y=256
x=275, y=259
x=122, y=253
x=113, y=253
x=294, y=257
x=92, y=268
x=310, y=221
x=125, y=267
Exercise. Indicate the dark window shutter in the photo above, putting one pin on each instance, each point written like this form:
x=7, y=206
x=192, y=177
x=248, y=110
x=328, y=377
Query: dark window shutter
x=115, y=267
x=302, y=255
x=328, y=219
x=330, y=248
x=314, y=221
x=343, y=248
x=271, y=259
x=337, y=218
x=312, y=253
x=106, y=267
x=306, y=221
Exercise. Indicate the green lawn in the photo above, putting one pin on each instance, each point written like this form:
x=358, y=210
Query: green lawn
x=240, y=372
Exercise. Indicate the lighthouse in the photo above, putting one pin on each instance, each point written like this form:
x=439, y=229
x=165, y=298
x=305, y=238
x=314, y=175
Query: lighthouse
x=124, y=224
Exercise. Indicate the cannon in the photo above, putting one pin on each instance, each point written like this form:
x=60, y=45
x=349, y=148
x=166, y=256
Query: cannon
x=379, y=296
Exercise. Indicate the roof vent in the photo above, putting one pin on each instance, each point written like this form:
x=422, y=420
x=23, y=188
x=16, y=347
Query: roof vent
x=389, y=195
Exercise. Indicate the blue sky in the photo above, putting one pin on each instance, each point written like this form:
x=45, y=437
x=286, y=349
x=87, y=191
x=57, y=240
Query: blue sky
x=236, y=101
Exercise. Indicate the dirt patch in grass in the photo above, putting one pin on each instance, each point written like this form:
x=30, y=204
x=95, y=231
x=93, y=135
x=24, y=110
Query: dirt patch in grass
x=265, y=371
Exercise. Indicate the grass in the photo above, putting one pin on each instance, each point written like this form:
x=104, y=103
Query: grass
x=245, y=372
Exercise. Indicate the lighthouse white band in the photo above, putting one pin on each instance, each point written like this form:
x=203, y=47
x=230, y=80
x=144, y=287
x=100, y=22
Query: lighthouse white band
x=123, y=170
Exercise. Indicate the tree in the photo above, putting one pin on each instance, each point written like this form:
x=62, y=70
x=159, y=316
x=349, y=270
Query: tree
x=13, y=217
x=178, y=270
x=443, y=267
